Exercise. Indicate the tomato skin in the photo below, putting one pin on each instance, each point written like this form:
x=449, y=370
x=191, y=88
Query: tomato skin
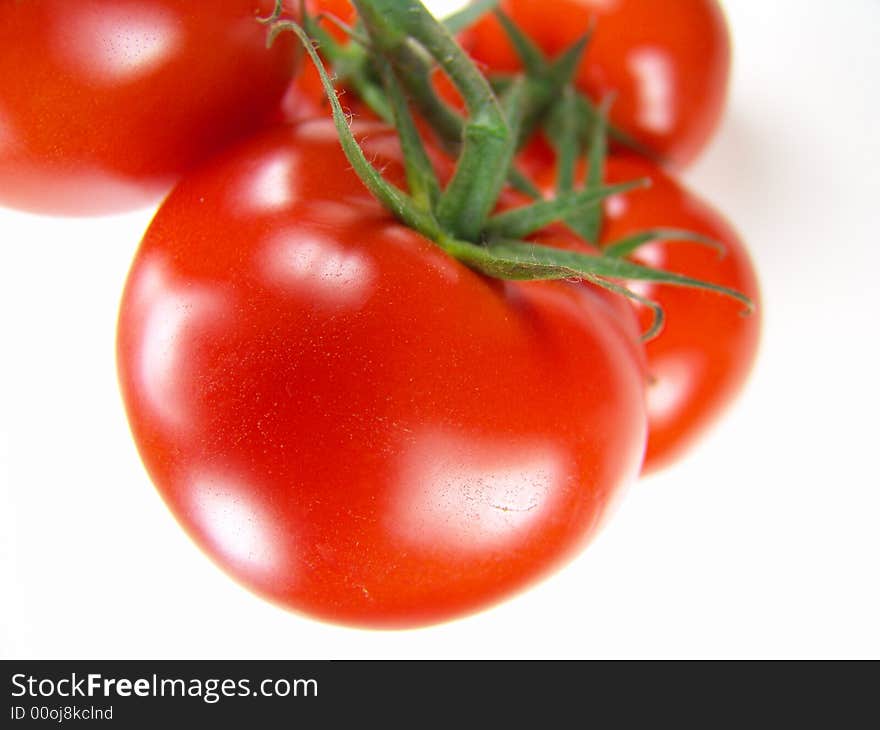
x=104, y=103
x=702, y=358
x=667, y=61
x=348, y=421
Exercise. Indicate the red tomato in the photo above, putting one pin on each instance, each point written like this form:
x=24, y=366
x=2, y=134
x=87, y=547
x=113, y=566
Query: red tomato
x=667, y=60
x=103, y=103
x=348, y=421
x=702, y=358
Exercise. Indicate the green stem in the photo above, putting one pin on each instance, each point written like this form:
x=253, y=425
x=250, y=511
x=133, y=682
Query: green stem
x=421, y=177
x=589, y=224
x=491, y=245
x=487, y=150
x=394, y=199
x=528, y=219
x=531, y=57
x=565, y=142
x=414, y=71
x=351, y=64
x=629, y=245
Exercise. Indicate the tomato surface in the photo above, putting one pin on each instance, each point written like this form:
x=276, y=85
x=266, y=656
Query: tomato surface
x=350, y=422
x=702, y=358
x=667, y=61
x=104, y=103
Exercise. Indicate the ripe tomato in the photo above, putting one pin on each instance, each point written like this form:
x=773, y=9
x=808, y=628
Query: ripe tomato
x=667, y=60
x=103, y=103
x=702, y=358
x=347, y=420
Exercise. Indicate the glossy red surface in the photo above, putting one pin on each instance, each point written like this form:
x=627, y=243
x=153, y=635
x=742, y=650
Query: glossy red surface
x=104, y=103
x=348, y=421
x=667, y=61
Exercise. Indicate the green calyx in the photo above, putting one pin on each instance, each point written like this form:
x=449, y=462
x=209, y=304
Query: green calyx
x=389, y=62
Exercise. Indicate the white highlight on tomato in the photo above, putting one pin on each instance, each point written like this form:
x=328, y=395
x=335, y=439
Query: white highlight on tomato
x=671, y=386
x=232, y=520
x=648, y=255
x=114, y=44
x=463, y=491
x=604, y=6
x=616, y=206
x=168, y=313
x=322, y=269
x=270, y=188
x=656, y=87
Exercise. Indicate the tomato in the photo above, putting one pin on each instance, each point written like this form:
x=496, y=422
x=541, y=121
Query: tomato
x=667, y=61
x=104, y=103
x=348, y=421
x=702, y=358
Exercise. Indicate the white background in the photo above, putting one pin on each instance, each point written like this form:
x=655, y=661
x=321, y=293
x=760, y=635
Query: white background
x=765, y=543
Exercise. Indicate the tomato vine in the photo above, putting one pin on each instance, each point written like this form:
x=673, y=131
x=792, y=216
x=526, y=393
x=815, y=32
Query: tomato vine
x=460, y=217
